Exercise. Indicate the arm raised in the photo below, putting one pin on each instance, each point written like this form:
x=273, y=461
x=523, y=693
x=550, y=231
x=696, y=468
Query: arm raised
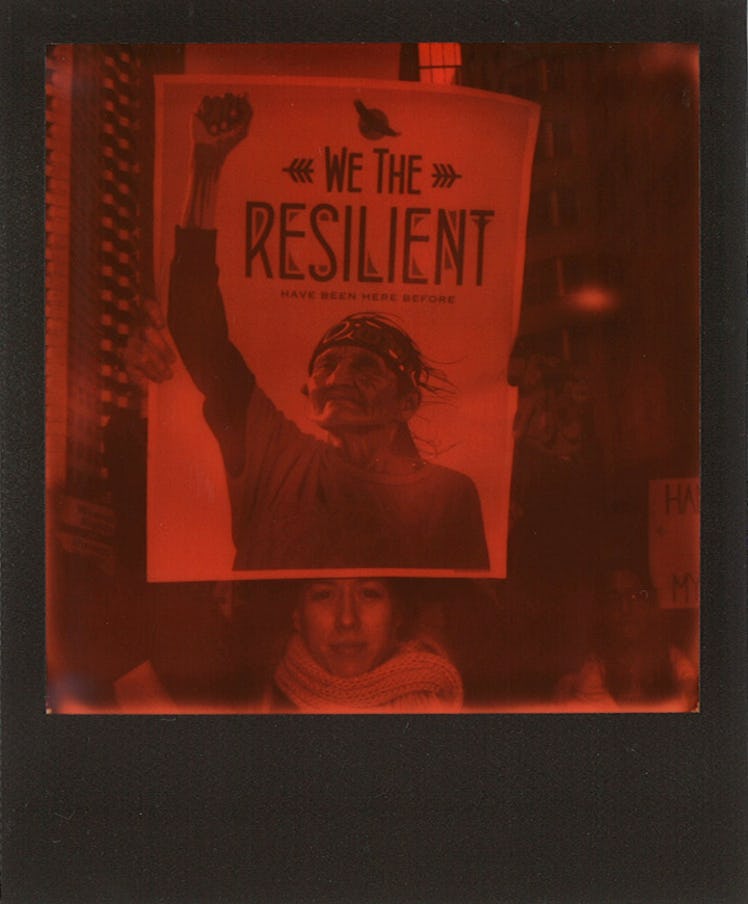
x=197, y=318
x=218, y=126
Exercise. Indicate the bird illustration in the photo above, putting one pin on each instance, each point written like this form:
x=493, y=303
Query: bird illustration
x=373, y=124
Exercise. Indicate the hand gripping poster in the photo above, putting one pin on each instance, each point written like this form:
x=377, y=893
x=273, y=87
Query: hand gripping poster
x=339, y=263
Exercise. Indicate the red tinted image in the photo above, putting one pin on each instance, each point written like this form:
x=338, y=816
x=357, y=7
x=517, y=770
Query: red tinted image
x=372, y=378
x=343, y=304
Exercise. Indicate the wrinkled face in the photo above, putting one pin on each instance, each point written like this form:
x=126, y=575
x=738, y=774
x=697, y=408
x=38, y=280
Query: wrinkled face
x=351, y=387
x=347, y=624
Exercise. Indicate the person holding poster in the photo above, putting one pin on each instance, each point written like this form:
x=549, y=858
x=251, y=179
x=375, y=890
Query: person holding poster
x=344, y=655
x=342, y=645
x=366, y=498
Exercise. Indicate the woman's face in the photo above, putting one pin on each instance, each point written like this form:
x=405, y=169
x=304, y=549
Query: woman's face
x=347, y=624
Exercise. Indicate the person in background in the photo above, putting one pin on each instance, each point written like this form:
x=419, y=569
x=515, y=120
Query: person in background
x=633, y=665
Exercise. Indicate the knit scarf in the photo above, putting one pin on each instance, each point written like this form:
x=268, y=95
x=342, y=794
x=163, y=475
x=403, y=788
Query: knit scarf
x=414, y=679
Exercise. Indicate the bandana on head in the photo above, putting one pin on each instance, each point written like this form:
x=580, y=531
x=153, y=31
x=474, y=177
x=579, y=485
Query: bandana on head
x=381, y=335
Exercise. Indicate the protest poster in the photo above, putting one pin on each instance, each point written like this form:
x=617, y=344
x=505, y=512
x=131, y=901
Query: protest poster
x=674, y=507
x=347, y=196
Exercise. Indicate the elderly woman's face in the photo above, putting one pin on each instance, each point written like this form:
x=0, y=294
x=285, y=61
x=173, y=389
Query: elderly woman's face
x=347, y=624
x=352, y=387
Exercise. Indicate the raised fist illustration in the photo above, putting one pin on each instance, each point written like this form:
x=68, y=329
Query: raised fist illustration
x=219, y=124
